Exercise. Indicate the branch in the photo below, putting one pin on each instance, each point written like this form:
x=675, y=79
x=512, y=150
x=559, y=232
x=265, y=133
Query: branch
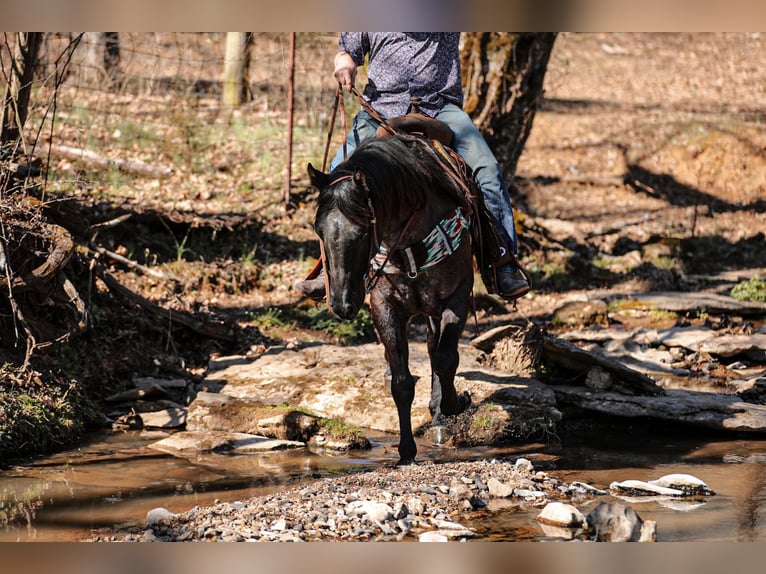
x=218, y=330
x=126, y=165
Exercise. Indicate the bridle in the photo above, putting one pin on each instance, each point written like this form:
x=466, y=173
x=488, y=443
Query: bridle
x=372, y=276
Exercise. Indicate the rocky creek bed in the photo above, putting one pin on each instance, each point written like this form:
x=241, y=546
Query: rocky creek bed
x=428, y=502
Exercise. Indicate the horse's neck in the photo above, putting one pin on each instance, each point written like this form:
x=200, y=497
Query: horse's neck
x=414, y=225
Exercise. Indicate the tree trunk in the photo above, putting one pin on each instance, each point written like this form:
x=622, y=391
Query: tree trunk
x=236, y=62
x=503, y=76
x=112, y=56
x=19, y=87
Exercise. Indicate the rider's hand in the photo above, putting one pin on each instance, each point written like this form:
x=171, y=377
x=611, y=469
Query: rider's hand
x=345, y=70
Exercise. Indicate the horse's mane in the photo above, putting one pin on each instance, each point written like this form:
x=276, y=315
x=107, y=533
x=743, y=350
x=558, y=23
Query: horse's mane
x=398, y=174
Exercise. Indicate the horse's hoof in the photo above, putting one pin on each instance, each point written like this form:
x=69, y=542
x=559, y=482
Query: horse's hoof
x=438, y=435
x=465, y=401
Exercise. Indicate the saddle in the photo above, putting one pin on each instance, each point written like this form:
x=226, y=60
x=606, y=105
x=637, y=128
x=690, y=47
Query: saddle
x=490, y=250
x=418, y=124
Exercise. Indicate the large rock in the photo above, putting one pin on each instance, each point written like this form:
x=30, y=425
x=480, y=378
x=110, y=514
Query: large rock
x=349, y=383
x=221, y=412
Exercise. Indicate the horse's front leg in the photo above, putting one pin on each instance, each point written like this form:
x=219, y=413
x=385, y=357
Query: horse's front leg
x=393, y=335
x=443, y=339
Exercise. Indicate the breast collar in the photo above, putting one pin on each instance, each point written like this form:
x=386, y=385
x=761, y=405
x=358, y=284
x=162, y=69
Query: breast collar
x=441, y=242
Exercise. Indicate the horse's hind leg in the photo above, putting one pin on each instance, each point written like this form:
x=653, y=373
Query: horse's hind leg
x=443, y=341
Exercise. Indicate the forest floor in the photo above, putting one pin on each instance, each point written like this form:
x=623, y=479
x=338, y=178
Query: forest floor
x=645, y=171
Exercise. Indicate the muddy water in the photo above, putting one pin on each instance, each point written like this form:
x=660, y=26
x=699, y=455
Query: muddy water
x=115, y=480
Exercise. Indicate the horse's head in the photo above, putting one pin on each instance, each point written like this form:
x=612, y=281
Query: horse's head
x=343, y=223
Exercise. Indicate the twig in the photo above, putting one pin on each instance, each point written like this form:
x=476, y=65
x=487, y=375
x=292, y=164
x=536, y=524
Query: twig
x=128, y=262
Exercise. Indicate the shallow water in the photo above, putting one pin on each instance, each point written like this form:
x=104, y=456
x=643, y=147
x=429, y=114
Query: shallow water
x=115, y=480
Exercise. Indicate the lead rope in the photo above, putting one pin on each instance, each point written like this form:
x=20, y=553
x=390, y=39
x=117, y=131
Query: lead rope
x=338, y=96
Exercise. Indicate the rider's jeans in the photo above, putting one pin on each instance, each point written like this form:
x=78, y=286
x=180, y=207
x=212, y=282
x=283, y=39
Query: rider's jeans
x=471, y=146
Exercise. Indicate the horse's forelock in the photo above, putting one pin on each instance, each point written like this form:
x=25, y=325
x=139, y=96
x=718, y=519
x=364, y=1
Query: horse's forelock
x=345, y=195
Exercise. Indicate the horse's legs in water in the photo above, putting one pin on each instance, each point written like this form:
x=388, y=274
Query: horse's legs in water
x=393, y=335
x=443, y=341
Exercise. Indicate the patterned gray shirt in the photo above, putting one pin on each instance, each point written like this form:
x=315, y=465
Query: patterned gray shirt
x=407, y=65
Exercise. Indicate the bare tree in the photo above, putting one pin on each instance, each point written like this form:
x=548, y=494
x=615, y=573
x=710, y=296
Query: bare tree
x=18, y=86
x=236, y=63
x=503, y=75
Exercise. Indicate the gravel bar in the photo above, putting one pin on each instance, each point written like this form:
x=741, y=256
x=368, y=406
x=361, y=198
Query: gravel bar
x=425, y=501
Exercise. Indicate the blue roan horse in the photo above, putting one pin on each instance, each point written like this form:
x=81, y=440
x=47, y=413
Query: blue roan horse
x=392, y=222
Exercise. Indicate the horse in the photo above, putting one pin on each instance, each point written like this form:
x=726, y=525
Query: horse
x=392, y=222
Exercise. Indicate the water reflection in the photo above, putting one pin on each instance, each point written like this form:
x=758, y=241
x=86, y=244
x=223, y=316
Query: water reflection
x=116, y=480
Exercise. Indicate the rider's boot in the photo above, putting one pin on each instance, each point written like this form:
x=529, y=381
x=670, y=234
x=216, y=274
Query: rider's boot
x=313, y=286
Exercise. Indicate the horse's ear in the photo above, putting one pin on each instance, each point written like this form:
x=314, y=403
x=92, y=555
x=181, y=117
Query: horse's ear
x=318, y=179
x=360, y=179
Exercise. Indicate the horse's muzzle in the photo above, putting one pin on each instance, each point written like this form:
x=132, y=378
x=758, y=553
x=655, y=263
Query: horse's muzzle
x=345, y=310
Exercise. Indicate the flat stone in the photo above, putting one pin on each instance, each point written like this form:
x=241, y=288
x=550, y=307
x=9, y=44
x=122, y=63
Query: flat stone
x=686, y=483
x=208, y=441
x=641, y=488
x=350, y=385
x=561, y=514
x=173, y=417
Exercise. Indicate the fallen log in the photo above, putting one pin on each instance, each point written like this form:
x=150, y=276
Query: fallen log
x=548, y=349
x=221, y=330
x=573, y=358
x=126, y=165
x=701, y=409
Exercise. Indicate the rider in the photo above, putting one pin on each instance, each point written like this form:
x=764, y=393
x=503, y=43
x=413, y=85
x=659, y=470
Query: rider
x=425, y=68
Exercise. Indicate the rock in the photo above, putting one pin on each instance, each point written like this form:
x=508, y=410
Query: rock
x=290, y=425
x=321, y=441
x=432, y=536
x=499, y=489
x=582, y=313
x=146, y=383
x=583, y=488
x=172, y=417
x=703, y=409
x=524, y=465
x=615, y=522
x=158, y=516
x=333, y=383
x=753, y=390
x=686, y=483
x=244, y=443
x=598, y=379
x=561, y=514
x=641, y=488
x=374, y=511
x=195, y=442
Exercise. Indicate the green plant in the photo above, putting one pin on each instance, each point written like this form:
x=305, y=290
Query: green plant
x=269, y=318
x=341, y=430
x=754, y=289
x=347, y=332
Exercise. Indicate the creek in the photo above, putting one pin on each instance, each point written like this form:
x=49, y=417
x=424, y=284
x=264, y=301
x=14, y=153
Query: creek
x=114, y=479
